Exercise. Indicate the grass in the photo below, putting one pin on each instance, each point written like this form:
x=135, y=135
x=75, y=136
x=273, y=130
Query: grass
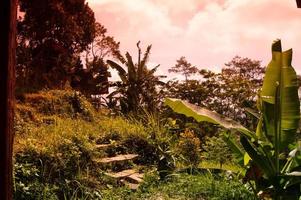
x=185, y=187
x=226, y=166
x=53, y=154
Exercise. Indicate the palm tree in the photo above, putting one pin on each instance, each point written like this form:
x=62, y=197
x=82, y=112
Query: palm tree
x=138, y=86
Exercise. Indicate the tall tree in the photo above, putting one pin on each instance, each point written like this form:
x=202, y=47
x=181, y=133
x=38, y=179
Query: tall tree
x=138, y=86
x=51, y=36
x=235, y=88
x=184, y=67
x=227, y=92
x=8, y=14
x=93, y=78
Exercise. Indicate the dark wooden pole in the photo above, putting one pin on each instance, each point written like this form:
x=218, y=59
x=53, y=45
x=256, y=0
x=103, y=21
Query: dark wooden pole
x=8, y=16
x=298, y=3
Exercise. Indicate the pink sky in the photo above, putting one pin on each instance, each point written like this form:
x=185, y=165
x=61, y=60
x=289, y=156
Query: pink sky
x=208, y=33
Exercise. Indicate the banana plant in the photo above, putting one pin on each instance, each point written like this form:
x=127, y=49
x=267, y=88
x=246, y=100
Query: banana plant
x=137, y=87
x=272, y=150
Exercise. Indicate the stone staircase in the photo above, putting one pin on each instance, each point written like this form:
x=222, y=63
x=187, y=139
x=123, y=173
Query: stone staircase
x=128, y=176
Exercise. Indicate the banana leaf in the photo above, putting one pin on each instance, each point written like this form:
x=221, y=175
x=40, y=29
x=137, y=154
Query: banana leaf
x=260, y=159
x=131, y=68
x=281, y=76
x=203, y=114
x=121, y=72
x=237, y=151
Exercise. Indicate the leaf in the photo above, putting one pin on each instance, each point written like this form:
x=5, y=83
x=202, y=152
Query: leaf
x=272, y=74
x=290, y=105
x=260, y=160
x=280, y=73
x=202, y=114
x=237, y=151
x=295, y=173
x=247, y=159
x=259, y=132
x=253, y=112
x=131, y=68
x=121, y=72
x=146, y=55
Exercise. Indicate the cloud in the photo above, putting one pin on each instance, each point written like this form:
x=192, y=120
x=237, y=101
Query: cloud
x=209, y=32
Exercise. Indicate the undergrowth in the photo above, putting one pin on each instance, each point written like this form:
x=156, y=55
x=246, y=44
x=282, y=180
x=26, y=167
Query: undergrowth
x=54, y=146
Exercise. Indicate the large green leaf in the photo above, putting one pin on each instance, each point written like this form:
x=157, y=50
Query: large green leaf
x=261, y=160
x=280, y=74
x=237, y=151
x=290, y=105
x=203, y=114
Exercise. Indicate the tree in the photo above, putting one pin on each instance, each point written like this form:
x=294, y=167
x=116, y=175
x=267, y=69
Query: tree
x=93, y=79
x=51, y=36
x=217, y=150
x=184, y=67
x=138, y=86
x=227, y=92
x=235, y=88
x=8, y=15
x=272, y=152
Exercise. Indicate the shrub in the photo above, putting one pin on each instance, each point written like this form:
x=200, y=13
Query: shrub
x=188, y=148
x=65, y=103
x=217, y=150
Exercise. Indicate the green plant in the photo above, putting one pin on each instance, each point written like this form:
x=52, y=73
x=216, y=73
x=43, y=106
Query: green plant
x=188, y=148
x=275, y=171
x=216, y=149
x=138, y=86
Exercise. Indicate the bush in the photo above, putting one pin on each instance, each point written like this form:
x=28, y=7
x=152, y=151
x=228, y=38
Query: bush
x=217, y=150
x=188, y=148
x=66, y=103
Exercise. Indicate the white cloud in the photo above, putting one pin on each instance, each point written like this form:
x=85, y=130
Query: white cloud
x=209, y=33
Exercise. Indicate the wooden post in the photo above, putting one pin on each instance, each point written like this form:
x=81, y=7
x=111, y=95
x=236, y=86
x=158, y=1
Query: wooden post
x=298, y=3
x=8, y=16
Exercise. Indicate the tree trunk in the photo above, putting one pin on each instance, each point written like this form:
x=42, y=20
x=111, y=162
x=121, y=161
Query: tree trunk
x=8, y=15
x=298, y=3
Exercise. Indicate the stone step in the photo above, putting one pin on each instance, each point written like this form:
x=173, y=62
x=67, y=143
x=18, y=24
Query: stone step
x=122, y=174
x=132, y=186
x=118, y=158
x=135, y=178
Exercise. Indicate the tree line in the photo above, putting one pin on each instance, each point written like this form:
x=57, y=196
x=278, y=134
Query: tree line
x=60, y=45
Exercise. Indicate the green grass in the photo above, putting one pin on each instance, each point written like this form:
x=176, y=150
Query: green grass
x=184, y=187
x=54, y=149
x=226, y=166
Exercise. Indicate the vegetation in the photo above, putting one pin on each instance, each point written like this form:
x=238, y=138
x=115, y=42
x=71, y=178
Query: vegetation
x=69, y=147
x=52, y=37
x=184, y=67
x=274, y=170
x=137, y=89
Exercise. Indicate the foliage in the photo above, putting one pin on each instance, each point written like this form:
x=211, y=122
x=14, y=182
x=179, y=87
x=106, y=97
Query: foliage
x=51, y=35
x=54, y=102
x=51, y=161
x=93, y=79
x=184, y=67
x=274, y=169
x=217, y=150
x=188, y=148
x=227, y=92
x=137, y=89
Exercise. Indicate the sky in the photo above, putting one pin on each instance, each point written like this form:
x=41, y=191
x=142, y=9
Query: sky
x=208, y=33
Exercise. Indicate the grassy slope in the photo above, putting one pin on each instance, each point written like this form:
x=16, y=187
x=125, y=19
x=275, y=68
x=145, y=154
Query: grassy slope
x=55, y=135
